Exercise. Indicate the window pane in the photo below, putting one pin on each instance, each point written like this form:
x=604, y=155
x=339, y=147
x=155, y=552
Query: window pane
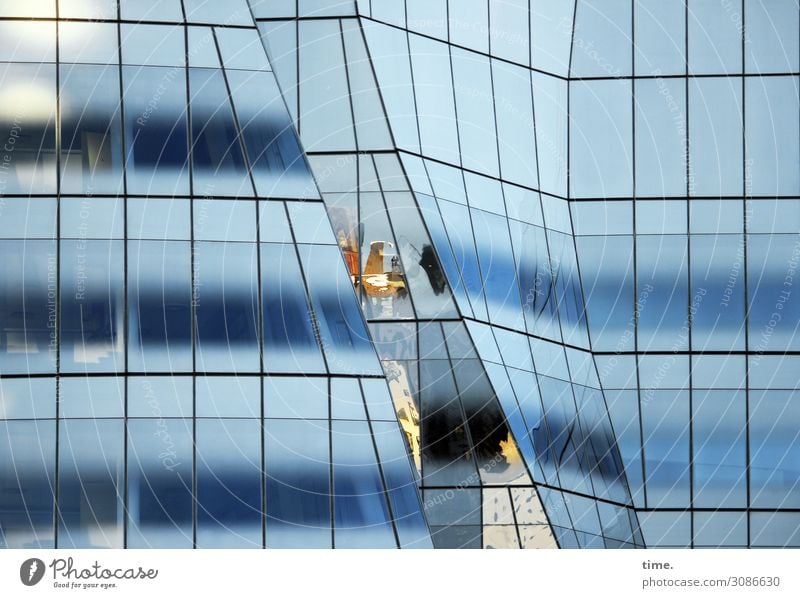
x=772, y=141
x=715, y=136
x=91, y=142
x=27, y=123
x=715, y=37
x=219, y=167
x=341, y=325
x=28, y=307
x=27, y=483
x=91, y=483
x=226, y=306
x=290, y=344
x=155, y=139
x=719, y=448
x=228, y=483
x=362, y=518
x=276, y=160
x=601, y=149
x=92, y=303
x=298, y=484
x=661, y=137
x=159, y=483
x=665, y=420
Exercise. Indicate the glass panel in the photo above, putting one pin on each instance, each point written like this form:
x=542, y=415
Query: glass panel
x=276, y=160
x=717, y=261
x=715, y=142
x=91, y=483
x=601, y=149
x=661, y=137
x=774, y=450
x=772, y=143
x=159, y=483
x=400, y=485
x=326, y=121
x=290, y=343
x=155, y=138
x=226, y=306
x=92, y=304
x=362, y=517
x=446, y=451
x=715, y=37
x=159, y=306
x=665, y=420
x=720, y=453
x=227, y=396
x=22, y=41
x=291, y=397
x=27, y=483
x=27, y=126
x=217, y=158
x=515, y=125
x=434, y=98
x=228, y=465
x=601, y=42
x=298, y=484
x=475, y=108
x=91, y=397
x=771, y=39
x=341, y=326
x=659, y=30
x=28, y=307
x=662, y=294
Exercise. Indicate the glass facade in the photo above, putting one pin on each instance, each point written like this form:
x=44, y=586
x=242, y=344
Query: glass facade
x=423, y=273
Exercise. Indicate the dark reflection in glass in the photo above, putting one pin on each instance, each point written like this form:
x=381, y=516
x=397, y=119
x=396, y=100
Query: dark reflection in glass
x=91, y=476
x=226, y=306
x=289, y=341
x=276, y=159
x=159, y=306
x=296, y=453
x=156, y=147
x=27, y=306
x=228, y=454
x=92, y=303
x=27, y=479
x=159, y=483
x=219, y=166
x=361, y=515
x=91, y=135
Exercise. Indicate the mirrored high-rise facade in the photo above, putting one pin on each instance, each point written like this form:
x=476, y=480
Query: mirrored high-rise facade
x=413, y=273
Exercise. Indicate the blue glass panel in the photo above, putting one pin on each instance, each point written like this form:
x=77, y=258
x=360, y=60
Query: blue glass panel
x=91, y=483
x=160, y=483
x=156, y=142
x=361, y=515
x=27, y=483
x=228, y=465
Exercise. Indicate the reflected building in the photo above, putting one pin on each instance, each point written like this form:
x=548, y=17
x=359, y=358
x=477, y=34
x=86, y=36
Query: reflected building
x=423, y=273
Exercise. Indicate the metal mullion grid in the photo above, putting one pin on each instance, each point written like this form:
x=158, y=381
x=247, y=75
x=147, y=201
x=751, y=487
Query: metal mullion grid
x=460, y=165
x=193, y=273
x=467, y=431
x=320, y=344
x=745, y=319
x=259, y=301
x=56, y=467
x=125, y=321
x=689, y=278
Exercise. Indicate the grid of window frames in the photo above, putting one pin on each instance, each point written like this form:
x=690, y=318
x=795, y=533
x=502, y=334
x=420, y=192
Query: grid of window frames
x=183, y=362
x=618, y=177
